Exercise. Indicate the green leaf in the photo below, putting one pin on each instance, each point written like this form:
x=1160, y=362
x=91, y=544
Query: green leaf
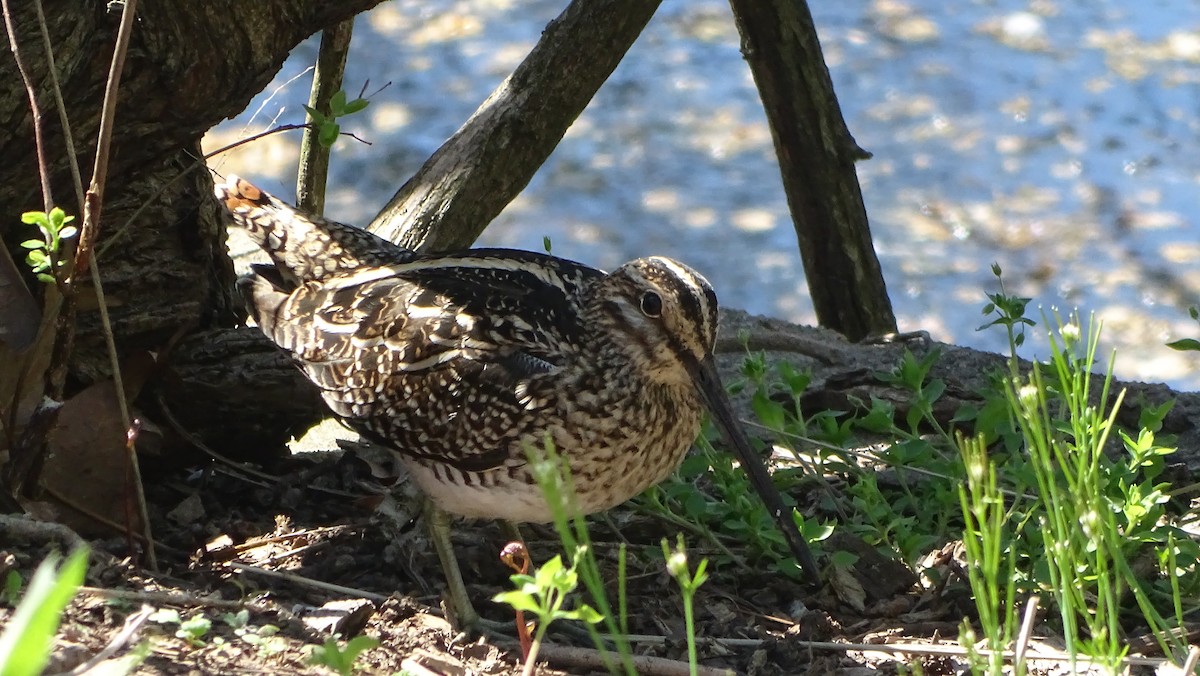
x=194, y=628
x=328, y=133
x=237, y=620
x=1185, y=344
x=59, y=218
x=68, y=232
x=337, y=103
x=519, y=600
x=318, y=118
x=37, y=218
x=33, y=244
x=29, y=634
x=586, y=613
x=12, y=587
x=549, y=569
x=355, y=106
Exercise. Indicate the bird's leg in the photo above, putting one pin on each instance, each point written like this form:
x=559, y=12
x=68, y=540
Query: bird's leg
x=511, y=531
x=463, y=613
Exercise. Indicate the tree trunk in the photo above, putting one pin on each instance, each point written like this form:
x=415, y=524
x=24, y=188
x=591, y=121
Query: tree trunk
x=816, y=158
x=161, y=251
x=190, y=65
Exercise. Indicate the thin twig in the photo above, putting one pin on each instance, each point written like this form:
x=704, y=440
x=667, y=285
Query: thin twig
x=309, y=582
x=313, y=170
x=95, y=195
x=1026, y=631
x=1193, y=661
x=70, y=503
x=590, y=658
x=171, y=598
x=68, y=137
x=38, y=141
x=93, y=206
x=959, y=651
x=132, y=624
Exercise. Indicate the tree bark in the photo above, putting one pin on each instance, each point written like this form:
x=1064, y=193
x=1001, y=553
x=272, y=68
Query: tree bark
x=816, y=159
x=190, y=65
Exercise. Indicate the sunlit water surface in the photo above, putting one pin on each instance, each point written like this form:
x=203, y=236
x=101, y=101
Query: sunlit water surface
x=1058, y=139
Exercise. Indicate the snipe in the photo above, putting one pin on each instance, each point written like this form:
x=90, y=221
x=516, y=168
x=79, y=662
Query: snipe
x=461, y=361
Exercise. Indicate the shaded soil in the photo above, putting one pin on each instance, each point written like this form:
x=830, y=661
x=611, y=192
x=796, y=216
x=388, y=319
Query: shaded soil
x=326, y=520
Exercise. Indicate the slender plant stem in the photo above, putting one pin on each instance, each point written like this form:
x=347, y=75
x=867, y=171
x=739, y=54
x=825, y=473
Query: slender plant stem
x=38, y=140
x=313, y=171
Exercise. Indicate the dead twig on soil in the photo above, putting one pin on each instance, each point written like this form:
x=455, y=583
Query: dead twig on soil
x=959, y=651
x=590, y=658
x=309, y=582
x=133, y=623
x=172, y=598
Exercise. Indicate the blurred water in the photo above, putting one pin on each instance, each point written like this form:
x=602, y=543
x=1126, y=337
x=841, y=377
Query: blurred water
x=1059, y=139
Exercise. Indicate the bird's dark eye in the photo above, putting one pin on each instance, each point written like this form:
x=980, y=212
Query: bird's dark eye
x=651, y=304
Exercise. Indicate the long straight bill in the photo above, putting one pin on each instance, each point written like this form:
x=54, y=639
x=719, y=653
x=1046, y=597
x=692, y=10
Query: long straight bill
x=709, y=383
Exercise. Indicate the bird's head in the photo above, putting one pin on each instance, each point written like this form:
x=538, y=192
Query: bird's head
x=662, y=315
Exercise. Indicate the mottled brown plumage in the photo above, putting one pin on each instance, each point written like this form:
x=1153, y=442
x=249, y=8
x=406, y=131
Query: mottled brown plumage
x=462, y=361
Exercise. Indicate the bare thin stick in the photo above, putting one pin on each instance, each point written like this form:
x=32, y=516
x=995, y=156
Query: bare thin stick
x=68, y=138
x=958, y=651
x=170, y=598
x=43, y=169
x=1022, y=646
x=1193, y=660
x=309, y=582
x=93, y=203
x=590, y=658
x=239, y=470
x=122, y=638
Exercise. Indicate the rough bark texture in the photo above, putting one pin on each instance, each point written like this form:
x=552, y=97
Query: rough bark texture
x=492, y=157
x=816, y=159
x=190, y=65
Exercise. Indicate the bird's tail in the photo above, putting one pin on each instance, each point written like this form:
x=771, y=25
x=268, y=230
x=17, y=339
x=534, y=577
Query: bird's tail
x=304, y=248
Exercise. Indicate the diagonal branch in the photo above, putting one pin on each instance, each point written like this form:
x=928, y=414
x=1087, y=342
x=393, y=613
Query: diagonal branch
x=492, y=157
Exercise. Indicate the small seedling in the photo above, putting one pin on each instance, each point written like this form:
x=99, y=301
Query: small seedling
x=262, y=637
x=341, y=658
x=689, y=583
x=193, y=630
x=327, y=125
x=1009, y=311
x=543, y=595
x=43, y=253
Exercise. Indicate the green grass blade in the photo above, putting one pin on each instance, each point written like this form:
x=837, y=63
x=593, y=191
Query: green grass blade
x=26, y=643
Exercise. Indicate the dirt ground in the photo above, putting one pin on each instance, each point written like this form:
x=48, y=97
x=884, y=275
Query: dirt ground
x=224, y=532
